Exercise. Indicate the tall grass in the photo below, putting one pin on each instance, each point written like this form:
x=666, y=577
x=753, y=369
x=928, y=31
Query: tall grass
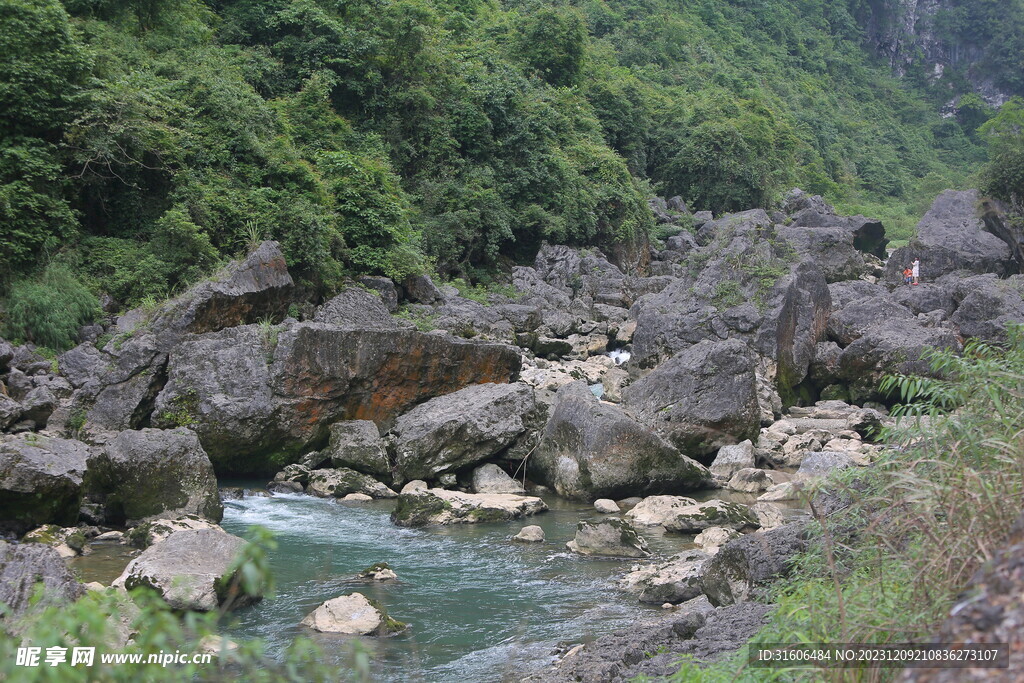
x=49, y=309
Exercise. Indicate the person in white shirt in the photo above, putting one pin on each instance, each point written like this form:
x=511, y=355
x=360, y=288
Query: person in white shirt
x=916, y=270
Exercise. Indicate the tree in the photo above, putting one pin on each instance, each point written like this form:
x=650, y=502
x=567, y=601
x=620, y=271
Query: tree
x=553, y=42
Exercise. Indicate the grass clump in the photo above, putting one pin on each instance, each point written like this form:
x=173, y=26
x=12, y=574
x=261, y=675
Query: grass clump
x=49, y=309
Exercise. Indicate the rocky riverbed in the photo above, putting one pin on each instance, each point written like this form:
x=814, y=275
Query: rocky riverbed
x=683, y=402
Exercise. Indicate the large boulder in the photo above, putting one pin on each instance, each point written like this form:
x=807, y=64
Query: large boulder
x=952, y=236
x=745, y=283
x=191, y=570
x=849, y=323
x=423, y=507
x=357, y=308
x=608, y=538
x=10, y=411
x=585, y=275
x=675, y=581
x=353, y=614
x=590, y=449
x=134, y=367
x=251, y=396
x=986, y=306
x=154, y=473
x=246, y=291
x=450, y=432
x=751, y=561
x=23, y=568
x=40, y=481
x=831, y=249
x=702, y=398
x=357, y=444
x=888, y=349
x=685, y=515
x=732, y=459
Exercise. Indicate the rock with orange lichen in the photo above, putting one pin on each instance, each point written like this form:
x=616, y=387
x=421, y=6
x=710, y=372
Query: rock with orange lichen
x=257, y=397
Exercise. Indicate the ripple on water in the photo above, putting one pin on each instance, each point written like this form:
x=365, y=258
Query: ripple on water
x=478, y=605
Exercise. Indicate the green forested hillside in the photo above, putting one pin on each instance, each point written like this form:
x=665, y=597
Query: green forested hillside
x=144, y=141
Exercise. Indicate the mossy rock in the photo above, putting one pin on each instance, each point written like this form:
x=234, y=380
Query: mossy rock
x=418, y=510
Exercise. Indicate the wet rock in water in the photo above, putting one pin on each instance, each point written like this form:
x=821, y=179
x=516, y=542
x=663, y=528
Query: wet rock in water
x=439, y=506
x=591, y=449
x=353, y=614
x=67, y=541
x=285, y=487
x=473, y=424
x=492, y=479
x=731, y=459
x=150, y=533
x=381, y=571
x=606, y=506
x=152, y=474
x=627, y=504
x=230, y=493
x=190, y=571
x=676, y=513
x=749, y=562
x=337, y=483
x=751, y=480
x=24, y=566
x=530, y=534
x=357, y=444
x=357, y=497
x=675, y=581
x=608, y=538
x=40, y=480
x=657, y=510
x=702, y=398
x=713, y=538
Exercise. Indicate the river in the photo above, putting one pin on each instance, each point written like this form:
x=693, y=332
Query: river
x=479, y=606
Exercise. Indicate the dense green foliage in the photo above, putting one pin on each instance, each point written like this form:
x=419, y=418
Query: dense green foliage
x=143, y=142
x=1003, y=176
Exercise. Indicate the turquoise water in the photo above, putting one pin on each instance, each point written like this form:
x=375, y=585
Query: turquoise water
x=480, y=607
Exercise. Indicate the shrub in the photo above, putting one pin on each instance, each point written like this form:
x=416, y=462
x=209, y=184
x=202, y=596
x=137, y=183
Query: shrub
x=49, y=309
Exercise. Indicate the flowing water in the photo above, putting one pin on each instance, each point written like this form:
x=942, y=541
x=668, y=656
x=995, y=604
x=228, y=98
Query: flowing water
x=479, y=606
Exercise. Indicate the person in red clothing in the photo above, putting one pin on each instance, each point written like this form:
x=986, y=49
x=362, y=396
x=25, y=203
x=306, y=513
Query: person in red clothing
x=907, y=274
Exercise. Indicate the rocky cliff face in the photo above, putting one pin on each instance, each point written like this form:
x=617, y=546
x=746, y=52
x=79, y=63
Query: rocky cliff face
x=934, y=35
